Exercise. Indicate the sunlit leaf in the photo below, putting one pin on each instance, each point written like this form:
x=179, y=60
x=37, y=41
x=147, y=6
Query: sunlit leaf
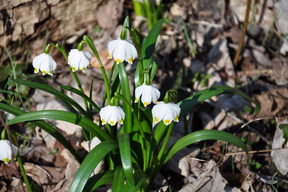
x=125, y=154
x=46, y=127
x=202, y=135
x=90, y=162
x=98, y=180
x=187, y=104
x=149, y=43
x=118, y=179
x=81, y=94
x=70, y=117
x=61, y=96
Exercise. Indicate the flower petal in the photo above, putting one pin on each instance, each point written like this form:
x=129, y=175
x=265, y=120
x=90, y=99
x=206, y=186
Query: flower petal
x=122, y=50
x=79, y=59
x=167, y=112
x=45, y=63
x=112, y=115
x=7, y=151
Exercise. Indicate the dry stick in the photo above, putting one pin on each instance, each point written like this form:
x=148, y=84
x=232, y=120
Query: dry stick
x=258, y=151
x=236, y=58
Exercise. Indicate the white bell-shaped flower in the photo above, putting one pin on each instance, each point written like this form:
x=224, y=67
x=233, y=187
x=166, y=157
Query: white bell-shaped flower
x=148, y=94
x=7, y=150
x=122, y=50
x=111, y=115
x=79, y=59
x=45, y=63
x=167, y=112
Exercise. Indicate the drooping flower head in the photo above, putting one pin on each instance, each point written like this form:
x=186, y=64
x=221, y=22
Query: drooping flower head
x=111, y=115
x=122, y=50
x=167, y=112
x=7, y=150
x=148, y=94
x=79, y=59
x=45, y=63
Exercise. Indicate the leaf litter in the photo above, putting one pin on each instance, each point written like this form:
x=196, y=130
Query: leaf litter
x=215, y=31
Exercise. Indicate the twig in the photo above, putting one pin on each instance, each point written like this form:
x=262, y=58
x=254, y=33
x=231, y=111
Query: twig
x=249, y=127
x=207, y=23
x=236, y=58
x=258, y=151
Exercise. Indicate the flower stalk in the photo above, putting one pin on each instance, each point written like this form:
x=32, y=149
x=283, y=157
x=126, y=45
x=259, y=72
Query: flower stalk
x=91, y=45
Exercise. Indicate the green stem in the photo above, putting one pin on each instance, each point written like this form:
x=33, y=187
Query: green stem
x=165, y=142
x=25, y=178
x=81, y=89
x=145, y=151
x=62, y=50
x=125, y=87
x=90, y=43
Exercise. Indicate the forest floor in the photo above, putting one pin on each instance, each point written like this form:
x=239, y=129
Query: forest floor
x=195, y=50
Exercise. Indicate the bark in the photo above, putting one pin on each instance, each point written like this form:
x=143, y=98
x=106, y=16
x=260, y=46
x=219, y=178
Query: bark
x=25, y=23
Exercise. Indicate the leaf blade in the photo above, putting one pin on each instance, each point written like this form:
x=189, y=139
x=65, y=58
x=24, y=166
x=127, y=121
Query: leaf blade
x=201, y=136
x=89, y=164
x=45, y=126
x=187, y=104
x=149, y=43
x=61, y=96
x=70, y=117
x=125, y=154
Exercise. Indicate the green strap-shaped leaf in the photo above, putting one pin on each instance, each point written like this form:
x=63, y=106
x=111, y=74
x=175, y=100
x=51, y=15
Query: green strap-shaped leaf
x=187, y=104
x=125, y=154
x=99, y=179
x=61, y=96
x=202, y=135
x=76, y=91
x=149, y=42
x=76, y=119
x=90, y=162
x=118, y=179
x=45, y=126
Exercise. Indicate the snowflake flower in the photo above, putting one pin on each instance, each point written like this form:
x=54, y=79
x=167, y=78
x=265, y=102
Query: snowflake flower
x=79, y=59
x=45, y=63
x=112, y=115
x=147, y=93
x=122, y=50
x=167, y=112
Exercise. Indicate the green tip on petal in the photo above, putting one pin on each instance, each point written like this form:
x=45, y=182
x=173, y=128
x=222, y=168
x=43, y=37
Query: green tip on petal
x=156, y=119
x=136, y=100
x=103, y=121
x=6, y=160
x=83, y=68
x=176, y=118
x=51, y=73
x=73, y=69
x=112, y=123
x=118, y=61
x=121, y=121
x=145, y=104
x=166, y=121
x=130, y=60
x=44, y=72
x=36, y=70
